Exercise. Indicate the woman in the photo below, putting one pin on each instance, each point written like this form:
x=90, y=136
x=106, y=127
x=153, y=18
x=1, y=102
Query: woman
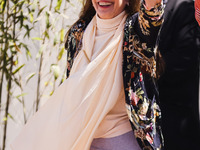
x=197, y=10
x=111, y=49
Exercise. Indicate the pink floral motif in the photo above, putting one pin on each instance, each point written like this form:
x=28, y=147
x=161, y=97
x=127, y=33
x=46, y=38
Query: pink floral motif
x=134, y=98
x=141, y=77
x=149, y=138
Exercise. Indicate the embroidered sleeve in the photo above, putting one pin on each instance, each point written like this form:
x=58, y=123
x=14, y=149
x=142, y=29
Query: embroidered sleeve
x=141, y=93
x=73, y=43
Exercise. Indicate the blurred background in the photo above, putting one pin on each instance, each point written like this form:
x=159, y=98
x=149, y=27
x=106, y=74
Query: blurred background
x=32, y=58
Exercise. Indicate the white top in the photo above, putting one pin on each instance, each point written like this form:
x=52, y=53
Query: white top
x=116, y=121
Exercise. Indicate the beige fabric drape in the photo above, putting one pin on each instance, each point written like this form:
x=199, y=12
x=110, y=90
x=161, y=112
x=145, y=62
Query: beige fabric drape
x=70, y=117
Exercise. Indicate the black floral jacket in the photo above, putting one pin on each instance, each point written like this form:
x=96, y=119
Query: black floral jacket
x=139, y=75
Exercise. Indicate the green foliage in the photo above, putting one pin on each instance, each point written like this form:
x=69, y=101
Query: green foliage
x=29, y=77
x=57, y=8
x=61, y=53
x=19, y=21
x=3, y=5
x=18, y=69
x=56, y=70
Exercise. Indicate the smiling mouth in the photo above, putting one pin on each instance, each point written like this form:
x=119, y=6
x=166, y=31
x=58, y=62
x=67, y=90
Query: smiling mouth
x=104, y=4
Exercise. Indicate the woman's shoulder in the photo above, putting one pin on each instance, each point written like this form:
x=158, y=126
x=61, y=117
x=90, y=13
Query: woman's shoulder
x=131, y=18
x=130, y=21
x=76, y=30
x=74, y=34
x=78, y=26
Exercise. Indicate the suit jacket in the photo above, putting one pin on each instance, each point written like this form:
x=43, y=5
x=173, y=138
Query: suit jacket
x=178, y=86
x=141, y=95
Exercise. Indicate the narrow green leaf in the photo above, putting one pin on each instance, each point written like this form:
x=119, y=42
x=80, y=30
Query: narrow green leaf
x=59, y=2
x=9, y=115
x=51, y=93
x=17, y=82
x=31, y=17
x=27, y=30
x=37, y=38
x=30, y=76
x=47, y=20
x=46, y=34
x=41, y=10
x=62, y=35
x=16, y=70
x=61, y=53
x=21, y=95
x=28, y=53
x=19, y=100
x=3, y=5
x=55, y=41
x=21, y=18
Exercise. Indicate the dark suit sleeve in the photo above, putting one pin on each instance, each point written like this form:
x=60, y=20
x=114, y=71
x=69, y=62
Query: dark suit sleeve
x=180, y=50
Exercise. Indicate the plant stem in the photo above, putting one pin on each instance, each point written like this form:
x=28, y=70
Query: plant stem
x=2, y=59
x=40, y=66
x=1, y=83
x=23, y=101
x=38, y=83
x=4, y=69
x=7, y=105
x=50, y=5
x=9, y=76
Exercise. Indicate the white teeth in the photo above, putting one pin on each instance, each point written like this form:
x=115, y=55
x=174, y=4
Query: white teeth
x=104, y=3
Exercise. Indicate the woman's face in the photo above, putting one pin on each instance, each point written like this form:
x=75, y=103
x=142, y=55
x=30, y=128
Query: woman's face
x=107, y=9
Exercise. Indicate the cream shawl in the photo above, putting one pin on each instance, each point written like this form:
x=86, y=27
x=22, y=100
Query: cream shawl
x=70, y=117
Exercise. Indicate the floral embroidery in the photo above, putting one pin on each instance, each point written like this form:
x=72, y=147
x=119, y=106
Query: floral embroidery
x=138, y=73
x=73, y=43
x=134, y=98
x=139, y=67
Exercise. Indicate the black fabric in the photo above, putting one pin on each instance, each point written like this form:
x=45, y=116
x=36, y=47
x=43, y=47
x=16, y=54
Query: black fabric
x=179, y=85
x=143, y=84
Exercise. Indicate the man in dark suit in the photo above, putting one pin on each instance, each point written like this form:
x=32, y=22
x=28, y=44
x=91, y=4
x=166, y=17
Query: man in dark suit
x=179, y=85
